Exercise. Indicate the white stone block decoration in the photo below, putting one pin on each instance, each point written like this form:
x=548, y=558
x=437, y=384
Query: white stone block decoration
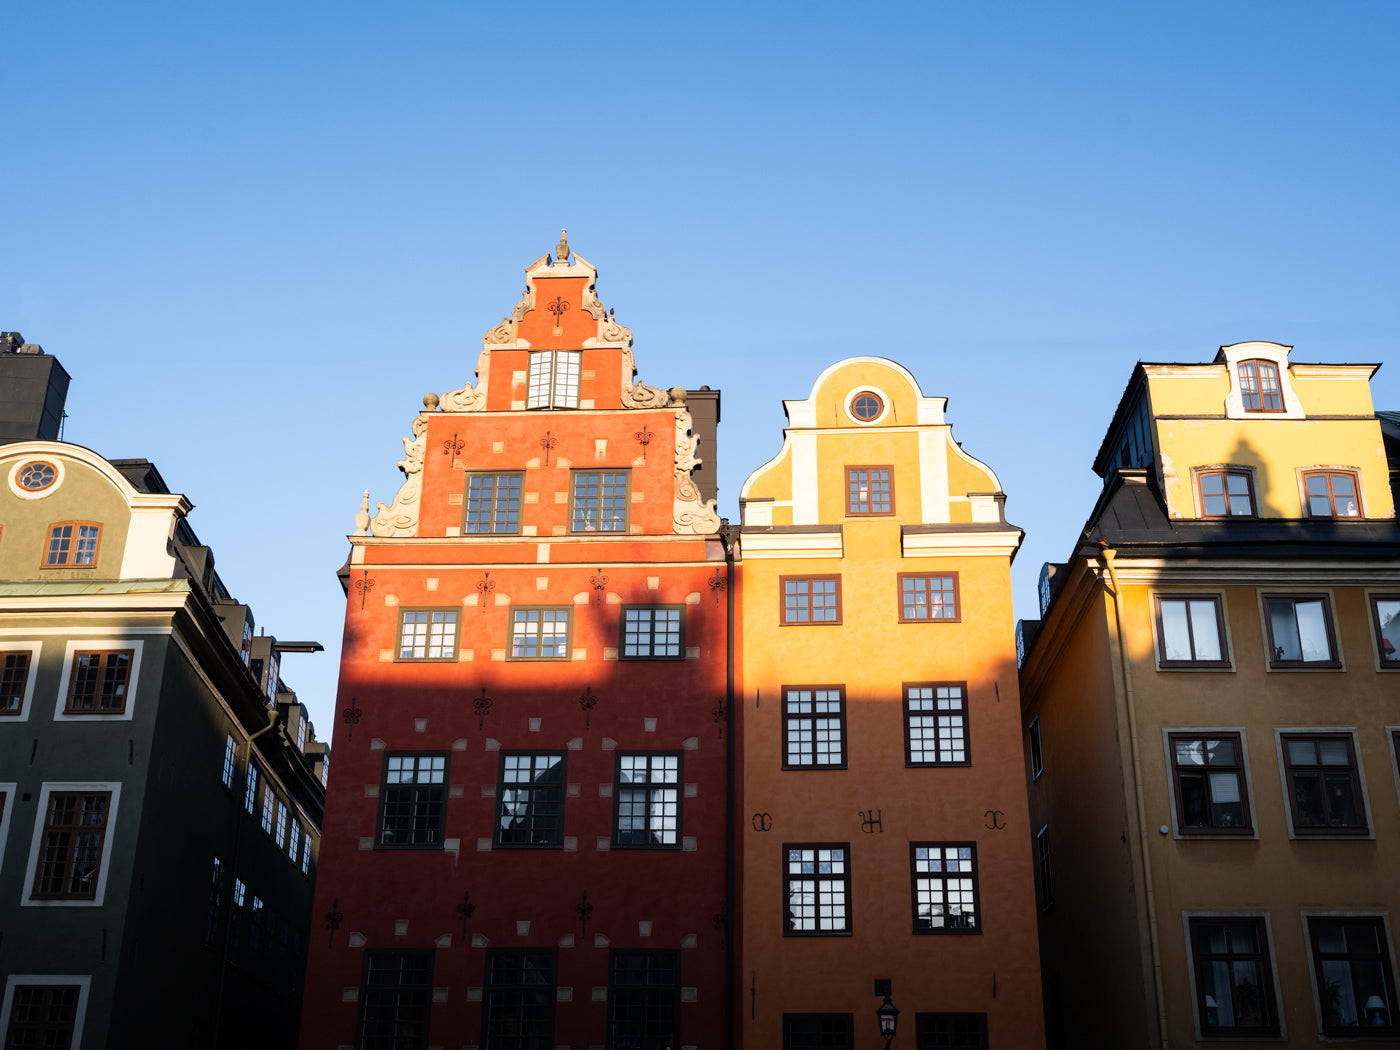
x=648, y=725
x=576, y=744
x=535, y=724
x=453, y=846
x=572, y=790
x=609, y=743
x=653, y=583
x=420, y=725
x=522, y=927
x=689, y=995
x=459, y=744
x=483, y=845
x=605, y=790
x=492, y=744
x=604, y=844
x=371, y=791
x=456, y=790
x=473, y=995
x=439, y=995
x=687, y=843
x=600, y=995
x=350, y=995
x=570, y=843
x=375, y=744
x=445, y=941
x=690, y=940
x=367, y=842
x=691, y=790
x=566, y=941
x=691, y=743
x=400, y=927
x=480, y=940
x=644, y=928
x=357, y=940
x=432, y=581
x=563, y=995
x=599, y=941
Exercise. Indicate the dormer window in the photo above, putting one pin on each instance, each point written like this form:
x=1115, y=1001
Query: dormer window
x=1332, y=494
x=1260, y=389
x=72, y=543
x=553, y=379
x=1226, y=494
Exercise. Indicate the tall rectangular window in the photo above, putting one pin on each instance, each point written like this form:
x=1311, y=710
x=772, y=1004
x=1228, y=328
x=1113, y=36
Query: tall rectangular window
x=1190, y=631
x=924, y=598
x=280, y=835
x=1209, y=782
x=553, y=379
x=940, y=1031
x=599, y=501
x=818, y=1032
x=413, y=802
x=43, y=1015
x=531, y=799
x=539, y=634
x=647, y=797
x=1324, y=784
x=250, y=790
x=70, y=851
x=72, y=543
x=944, y=884
x=216, y=905
x=1042, y=863
x=230, y=757
x=1385, y=612
x=1351, y=957
x=816, y=889
x=14, y=677
x=520, y=993
x=427, y=634
x=1332, y=494
x=1037, y=754
x=1226, y=494
x=644, y=1000
x=1260, y=390
x=396, y=992
x=235, y=918
x=1234, y=978
x=652, y=632
x=269, y=799
x=935, y=724
x=869, y=490
x=306, y=854
x=97, y=682
x=1300, y=631
x=492, y=504
x=293, y=838
x=814, y=727
x=810, y=599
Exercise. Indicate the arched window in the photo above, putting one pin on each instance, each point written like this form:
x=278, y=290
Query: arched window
x=1260, y=388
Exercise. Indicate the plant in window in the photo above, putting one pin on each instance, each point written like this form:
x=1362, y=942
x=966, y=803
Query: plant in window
x=1300, y=631
x=1234, y=985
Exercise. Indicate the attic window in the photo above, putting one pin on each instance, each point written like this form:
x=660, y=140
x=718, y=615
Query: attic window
x=1260, y=389
x=37, y=476
x=866, y=406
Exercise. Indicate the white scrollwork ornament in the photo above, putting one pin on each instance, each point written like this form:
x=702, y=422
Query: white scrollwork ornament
x=401, y=518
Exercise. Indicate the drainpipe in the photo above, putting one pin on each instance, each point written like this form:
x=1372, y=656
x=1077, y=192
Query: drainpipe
x=729, y=801
x=1109, y=554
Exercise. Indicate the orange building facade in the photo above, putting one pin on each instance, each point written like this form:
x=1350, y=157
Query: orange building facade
x=526, y=838
x=883, y=817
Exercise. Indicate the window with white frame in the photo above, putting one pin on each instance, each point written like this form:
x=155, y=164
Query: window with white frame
x=553, y=379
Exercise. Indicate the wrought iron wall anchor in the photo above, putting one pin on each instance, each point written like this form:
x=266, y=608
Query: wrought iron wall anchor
x=453, y=446
x=465, y=911
x=558, y=308
x=588, y=701
x=485, y=586
x=718, y=585
x=351, y=716
x=599, y=581
x=644, y=438
x=334, y=918
x=482, y=707
x=547, y=443
x=584, y=911
x=718, y=713
x=364, y=585
x=870, y=823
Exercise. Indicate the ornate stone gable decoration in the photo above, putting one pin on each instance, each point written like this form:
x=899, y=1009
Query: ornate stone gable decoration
x=401, y=518
x=690, y=513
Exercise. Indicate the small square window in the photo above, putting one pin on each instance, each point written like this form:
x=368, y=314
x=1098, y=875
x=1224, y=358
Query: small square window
x=1385, y=613
x=647, y=800
x=427, y=634
x=1351, y=958
x=553, y=379
x=1300, y=631
x=950, y=1031
x=539, y=634
x=1226, y=494
x=98, y=683
x=1323, y=784
x=810, y=599
x=599, y=501
x=492, y=504
x=1208, y=778
x=413, y=801
x=935, y=724
x=944, y=885
x=644, y=1000
x=925, y=598
x=652, y=632
x=396, y=994
x=518, y=1012
x=814, y=727
x=1332, y=494
x=530, y=799
x=1037, y=754
x=72, y=543
x=1190, y=632
x=71, y=846
x=1234, y=977
x=1260, y=390
x=816, y=889
x=818, y=1032
x=869, y=490
x=14, y=679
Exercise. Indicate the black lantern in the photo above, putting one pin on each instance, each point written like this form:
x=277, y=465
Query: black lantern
x=888, y=1016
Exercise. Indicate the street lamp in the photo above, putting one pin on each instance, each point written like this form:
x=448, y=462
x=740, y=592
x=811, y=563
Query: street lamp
x=888, y=1015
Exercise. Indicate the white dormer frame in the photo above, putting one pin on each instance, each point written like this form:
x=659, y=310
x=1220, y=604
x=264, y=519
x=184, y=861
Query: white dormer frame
x=1276, y=354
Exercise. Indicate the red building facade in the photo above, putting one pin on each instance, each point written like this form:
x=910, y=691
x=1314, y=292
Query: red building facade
x=525, y=834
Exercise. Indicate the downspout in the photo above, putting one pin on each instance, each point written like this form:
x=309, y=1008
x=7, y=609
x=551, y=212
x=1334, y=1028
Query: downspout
x=729, y=801
x=1109, y=554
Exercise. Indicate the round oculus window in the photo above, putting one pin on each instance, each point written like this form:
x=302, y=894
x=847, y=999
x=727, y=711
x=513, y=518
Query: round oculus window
x=867, y=406
x=36, y=476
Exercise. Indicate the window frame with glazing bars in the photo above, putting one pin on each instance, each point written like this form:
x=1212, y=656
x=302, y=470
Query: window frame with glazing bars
x=649, y=786
x=1356, y=780
x=916, y=876
x=924, y=1037
x=936, y=715
x=555, y=397
x=1229, y=499
x=1202, y=960
x=100, y=682
x=426, y=800
x=854, y=503
x=45, y=1024
x=928, y=597
x=1260, y=369
x=651, y=633
x=783, y=605
x=70, y=849
x=812, y=717
x=1374, y=599
x=391, y=1037
x=1239, y=768
x=606, y=477
x=515, y=480
x=815, y=877
x=1035, y=744
x=659, y=1003
x=556, y=840
x=71, y=549
x=1045, y=881
x=542, y=1029
x=454, y=635
x=15, y=668
x=1277, y=662
x=1383, y=958
x=518, y=610
x=822, y=1038
x=1166, y=663
x=1328, y=473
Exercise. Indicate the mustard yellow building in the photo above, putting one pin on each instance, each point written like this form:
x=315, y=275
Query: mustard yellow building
x=1211, y=704
x=882, y=806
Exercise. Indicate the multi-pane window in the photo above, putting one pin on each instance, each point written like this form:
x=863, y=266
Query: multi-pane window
x=949, y=1031
x=413, y=801
x=519, y=1010
x=814, y=727
x=816, y=890
x=293, y=838
x=250, y=789
x=653, y=632
x=1042, y=863
x=599, y=501
x=269, y=800
x=553, y=379
x=428, y=634
x=306, y=854
x=1208, y=779
x=531, y=799
x=14, y=677
x=43, y=1015
x=1351, y=957
x=235, y=918
x=1260, y=390
x=1037, y=753
x=280, y=835
x=1234, y=980
x=1226, y=494
x=935, y=724
x=97, y=683
x=72, y=543
x=230, y=757
x=1324, y=784
x=70, y=851
x=923, y=598
x=818, y=1031
x=492, y=504
x=869, y=490
x=1300, y=631
x=644, y=1000
x=648, y=799
x=810, y=599
x=216, y=905
x=945, y=887
x=396, y=992
x=1385, y=611
x=1332, y=494
x=539, y=634
x=1190, y=631
x=36, y=476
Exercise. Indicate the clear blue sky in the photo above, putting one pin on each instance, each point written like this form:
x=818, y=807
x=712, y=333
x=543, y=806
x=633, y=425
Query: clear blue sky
x=257, y=234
